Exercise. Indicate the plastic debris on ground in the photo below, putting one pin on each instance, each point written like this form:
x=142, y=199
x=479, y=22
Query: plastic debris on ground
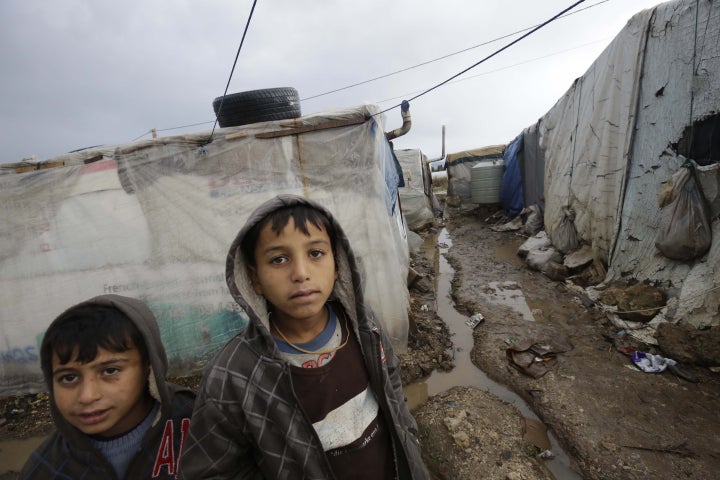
x=475, y=320
x=535, y=357
x=647, y=362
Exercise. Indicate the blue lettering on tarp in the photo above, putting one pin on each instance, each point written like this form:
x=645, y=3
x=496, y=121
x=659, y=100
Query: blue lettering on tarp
x=13, y=354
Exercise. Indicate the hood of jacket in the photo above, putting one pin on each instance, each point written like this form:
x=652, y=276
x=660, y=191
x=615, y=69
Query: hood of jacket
x=144, y=320
x=347, y=291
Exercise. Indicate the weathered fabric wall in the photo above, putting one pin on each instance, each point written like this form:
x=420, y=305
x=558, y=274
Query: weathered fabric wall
x=586, y=138
x=416, y=195
x=680, y=86
x=608, y=146
x=155, y=220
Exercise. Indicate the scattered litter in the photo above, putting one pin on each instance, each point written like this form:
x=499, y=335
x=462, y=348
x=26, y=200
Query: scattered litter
x=424, y=308
x=547, y=454
x=536, y=357
x=510, y=340
x=647, y=362
x=681, y=373
x=535, y=434
x=475, y=320
x=627, y=350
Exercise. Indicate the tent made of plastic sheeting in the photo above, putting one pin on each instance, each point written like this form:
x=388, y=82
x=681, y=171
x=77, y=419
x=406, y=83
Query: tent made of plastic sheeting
x=618, y=135
x=459, y=168
x=154, y=220
x=416, y=196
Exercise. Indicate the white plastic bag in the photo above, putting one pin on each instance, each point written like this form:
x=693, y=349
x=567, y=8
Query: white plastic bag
x=684, y=232
x=565, y=236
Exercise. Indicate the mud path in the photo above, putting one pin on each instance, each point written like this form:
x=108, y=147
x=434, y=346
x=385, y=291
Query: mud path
x=615, y=421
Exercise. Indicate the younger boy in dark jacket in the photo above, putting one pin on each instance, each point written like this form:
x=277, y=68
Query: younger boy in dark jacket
x=116, y=416
x=311, y=388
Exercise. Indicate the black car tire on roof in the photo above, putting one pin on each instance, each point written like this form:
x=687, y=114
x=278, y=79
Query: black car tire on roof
x=255, y=106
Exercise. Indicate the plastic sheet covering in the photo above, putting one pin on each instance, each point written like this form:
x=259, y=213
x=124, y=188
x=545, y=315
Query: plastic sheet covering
x=604, y=147
x=511, y=187
x=155, y=220
x=416, y=195
x=532, y=166
x=586, y=138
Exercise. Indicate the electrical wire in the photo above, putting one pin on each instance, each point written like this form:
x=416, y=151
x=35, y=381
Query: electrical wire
x=565, y=13
x=496, y=52
x=497, y=69
x=443, y=57
x=242, y=40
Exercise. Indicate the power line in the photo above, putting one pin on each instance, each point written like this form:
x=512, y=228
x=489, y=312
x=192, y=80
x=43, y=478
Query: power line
x=443, y=57
x=530, y=30
x=404, y=95
x=242, y=40
x=491, y=55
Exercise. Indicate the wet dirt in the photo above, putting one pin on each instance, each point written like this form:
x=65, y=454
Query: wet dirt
x=614, y=421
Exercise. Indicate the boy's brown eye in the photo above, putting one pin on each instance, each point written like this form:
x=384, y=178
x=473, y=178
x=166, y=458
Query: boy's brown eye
x=317, y=253
x=65, y=379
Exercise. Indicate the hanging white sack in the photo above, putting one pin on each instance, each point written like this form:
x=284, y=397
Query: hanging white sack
x=565, y=235
x=684, y=232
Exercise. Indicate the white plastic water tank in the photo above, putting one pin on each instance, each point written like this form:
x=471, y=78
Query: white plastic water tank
x=485, y=179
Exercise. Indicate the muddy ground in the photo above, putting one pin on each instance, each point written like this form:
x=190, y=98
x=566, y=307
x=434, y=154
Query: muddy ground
x=615, y=421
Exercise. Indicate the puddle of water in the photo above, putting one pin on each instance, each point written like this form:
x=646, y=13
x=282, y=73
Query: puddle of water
x=510, y=295
x=465, y=372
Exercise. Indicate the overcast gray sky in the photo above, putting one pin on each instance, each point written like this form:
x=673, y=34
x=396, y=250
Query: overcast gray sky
x=79, y=73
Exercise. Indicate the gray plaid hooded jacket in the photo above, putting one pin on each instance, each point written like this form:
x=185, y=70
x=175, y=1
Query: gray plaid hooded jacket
x=247, y=421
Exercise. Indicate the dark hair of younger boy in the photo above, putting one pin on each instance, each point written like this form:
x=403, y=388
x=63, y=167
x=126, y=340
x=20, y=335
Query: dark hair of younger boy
x=86, y=329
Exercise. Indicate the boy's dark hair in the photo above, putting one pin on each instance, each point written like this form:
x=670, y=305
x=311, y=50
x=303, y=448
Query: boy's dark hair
x=301, y=215
x=88, y=328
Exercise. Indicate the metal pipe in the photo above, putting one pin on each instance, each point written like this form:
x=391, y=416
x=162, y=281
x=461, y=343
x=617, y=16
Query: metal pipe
x=407, y=123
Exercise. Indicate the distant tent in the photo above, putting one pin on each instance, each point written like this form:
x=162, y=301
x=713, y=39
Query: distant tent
x=459, y=167
x=416, y=195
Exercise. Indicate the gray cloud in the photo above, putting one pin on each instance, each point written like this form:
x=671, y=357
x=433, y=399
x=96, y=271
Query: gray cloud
x=78, y=73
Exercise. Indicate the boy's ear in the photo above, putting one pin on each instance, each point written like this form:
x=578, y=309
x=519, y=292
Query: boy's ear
x=254, y=279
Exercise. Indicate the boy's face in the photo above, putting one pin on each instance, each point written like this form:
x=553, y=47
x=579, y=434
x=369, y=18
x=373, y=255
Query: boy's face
x=294, y=272
x=107, y=396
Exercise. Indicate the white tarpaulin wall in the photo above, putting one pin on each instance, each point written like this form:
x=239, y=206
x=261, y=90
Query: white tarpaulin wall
x=155, y=219
x=416, y=195
x=603, y=145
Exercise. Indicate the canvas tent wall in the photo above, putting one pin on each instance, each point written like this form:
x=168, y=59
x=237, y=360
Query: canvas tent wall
x=611, y=142
x=154, y=220
x=417, y=195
